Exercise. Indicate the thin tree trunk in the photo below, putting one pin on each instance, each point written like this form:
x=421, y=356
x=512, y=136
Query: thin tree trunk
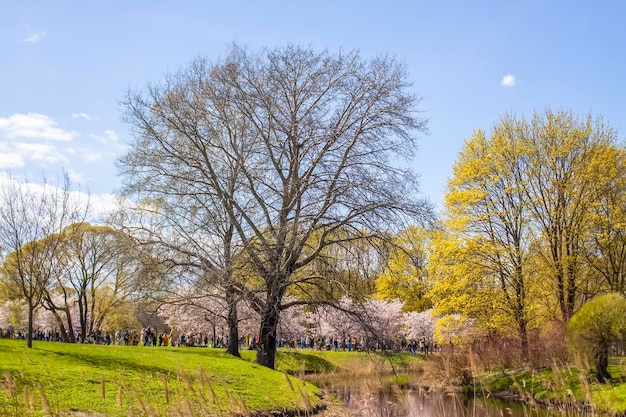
x=62, y=329
x=233, y=331
x=602, y=364
x=70, y=326
x=31, y=310
x=82, y=308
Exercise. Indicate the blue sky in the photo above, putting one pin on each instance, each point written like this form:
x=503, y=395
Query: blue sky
x=65, y=65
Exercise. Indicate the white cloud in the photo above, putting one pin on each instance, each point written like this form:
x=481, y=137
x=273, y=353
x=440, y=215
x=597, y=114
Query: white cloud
x=109, y=139
x=40, y=152
x=81, y=116
x=103, y=204
x=99, y=205
x=10, y=160
x=508, y=80
x=34, y=126
x=34, y=38
x=75, y=176
x=89, y=156
x=85, y=155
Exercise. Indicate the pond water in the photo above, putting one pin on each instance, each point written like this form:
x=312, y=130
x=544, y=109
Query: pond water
x=370, y=398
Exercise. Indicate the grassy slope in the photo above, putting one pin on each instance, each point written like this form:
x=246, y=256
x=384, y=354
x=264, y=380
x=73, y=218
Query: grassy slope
x=155, y=381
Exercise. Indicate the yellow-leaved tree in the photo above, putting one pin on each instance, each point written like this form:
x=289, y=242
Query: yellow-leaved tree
x=406, y=275
x=560, y=188
x=488, y=218
x=517, y=222
x=605, y=238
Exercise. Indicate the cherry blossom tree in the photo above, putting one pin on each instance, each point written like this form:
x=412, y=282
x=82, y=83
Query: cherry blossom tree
x=291, y=325
x=376, y=321
x=419, y=325
x=206, y=312
x=61, y=305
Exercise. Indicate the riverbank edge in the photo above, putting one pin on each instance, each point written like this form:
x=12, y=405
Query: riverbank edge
x=514, y=393
x=514, y=396
x=339, y=365
x=488, y=385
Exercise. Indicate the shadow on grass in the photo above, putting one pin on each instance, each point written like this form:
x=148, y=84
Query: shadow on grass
x=111, y=363
x=299, y=362
x=133, y=360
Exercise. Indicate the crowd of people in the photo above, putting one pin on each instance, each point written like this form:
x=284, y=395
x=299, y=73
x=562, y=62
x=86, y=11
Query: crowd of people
x=150, y=337
x=349, y=344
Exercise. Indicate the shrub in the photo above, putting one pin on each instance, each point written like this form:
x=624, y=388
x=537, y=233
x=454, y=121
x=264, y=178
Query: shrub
x=598, y=324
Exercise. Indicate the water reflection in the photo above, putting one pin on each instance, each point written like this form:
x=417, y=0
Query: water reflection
x=370, y=400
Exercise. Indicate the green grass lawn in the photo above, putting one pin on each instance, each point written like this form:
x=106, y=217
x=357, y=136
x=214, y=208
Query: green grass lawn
x=298, y=361
x=62, y=378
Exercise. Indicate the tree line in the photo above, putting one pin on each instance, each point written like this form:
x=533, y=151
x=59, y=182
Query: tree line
x=273, y=181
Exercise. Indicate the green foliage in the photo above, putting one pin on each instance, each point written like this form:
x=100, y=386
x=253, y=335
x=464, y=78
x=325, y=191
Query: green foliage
x=596, y=326
x=560, y=385
x=124, y=316
x=601, y=319
x=459, y=292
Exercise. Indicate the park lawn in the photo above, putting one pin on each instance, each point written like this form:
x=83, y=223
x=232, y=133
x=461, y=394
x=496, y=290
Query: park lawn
x=566, y=384
x=61, y=378
x=305, y=361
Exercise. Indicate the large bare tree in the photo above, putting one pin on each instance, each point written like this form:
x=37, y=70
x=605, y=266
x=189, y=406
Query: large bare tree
x=298, y=149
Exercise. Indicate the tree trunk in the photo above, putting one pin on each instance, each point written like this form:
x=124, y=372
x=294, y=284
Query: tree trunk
x=70, y=326
x=602, y=364
x=523, y=335
x=233, y=331
x=31, y=310
x=62, y=329
x=82, y=309
x=266, y=352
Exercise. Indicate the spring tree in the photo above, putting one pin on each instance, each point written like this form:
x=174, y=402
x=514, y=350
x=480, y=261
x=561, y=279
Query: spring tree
x=284, y=144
